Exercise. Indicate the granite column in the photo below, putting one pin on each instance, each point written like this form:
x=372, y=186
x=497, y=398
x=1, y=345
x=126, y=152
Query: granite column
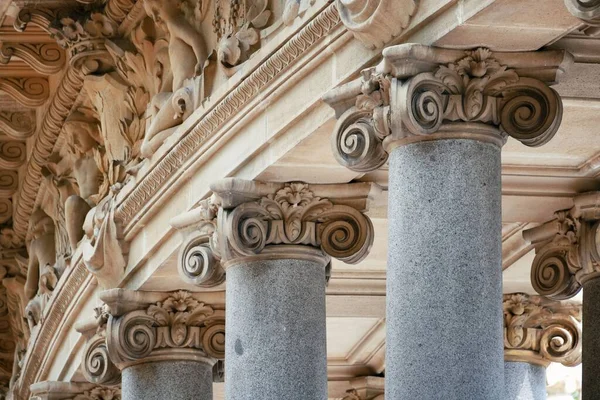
x=441, y=117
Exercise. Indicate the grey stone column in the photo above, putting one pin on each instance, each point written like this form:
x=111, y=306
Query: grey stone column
x=440, y=117
x=173, y=380
x=164, y=344
x=275, y=242
x=275, y=345
x=591, y=339
x=444, y=276
x=524, y=381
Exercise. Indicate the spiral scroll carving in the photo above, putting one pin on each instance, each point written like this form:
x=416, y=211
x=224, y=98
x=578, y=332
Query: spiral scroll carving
x=131, y=337
x=12, y=154
x=346, y=235
x=551, y=273
x=30, y=92
x=562, y=343
x=213, y=340
x=356, y=144
x=421, y=104
x=198, y=264
x=587, y=10
x=97, y=366
x=531, y=112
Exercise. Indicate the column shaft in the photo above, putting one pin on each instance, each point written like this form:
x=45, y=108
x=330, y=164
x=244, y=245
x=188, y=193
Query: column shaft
x=591, y=339
x=276, y=345
x=444, y=278
x=173, y=380
x=524, y=381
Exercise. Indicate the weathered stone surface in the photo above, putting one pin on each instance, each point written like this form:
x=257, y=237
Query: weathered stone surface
x=444, y=285
x=275, y=344
x=524, y=381
x=591, y=339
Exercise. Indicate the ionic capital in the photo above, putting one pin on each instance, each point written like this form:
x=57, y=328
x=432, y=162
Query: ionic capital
x=586, y=10
x=425, y=93
x=366, y=388
x=540, y=331
x=247, y=220
x=151, y=326
x=50, y=390
x=567, y=249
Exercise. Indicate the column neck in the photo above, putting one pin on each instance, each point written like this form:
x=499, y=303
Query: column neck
x=539, y=331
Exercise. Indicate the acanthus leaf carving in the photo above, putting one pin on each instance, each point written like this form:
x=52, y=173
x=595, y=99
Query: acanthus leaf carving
x=540, y=331
x=45, y=58
x=179, y=321
x=429, y=96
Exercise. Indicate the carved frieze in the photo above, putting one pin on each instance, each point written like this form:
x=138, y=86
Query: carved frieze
x=155, y=326
x=418, y=92
x=50, y=390
x=30, y=92
x=540, y=331
x=248, y=219
x=567, y=252
x=376, y=22
x=17, y=125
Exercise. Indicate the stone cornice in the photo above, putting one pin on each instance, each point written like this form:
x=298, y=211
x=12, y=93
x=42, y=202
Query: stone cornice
x=540, y=331
x=424, y=93
x=49, y=390
x=150, y=326
x=170, y=167
x=567, y=252
x=247, y=220
x=376, y=22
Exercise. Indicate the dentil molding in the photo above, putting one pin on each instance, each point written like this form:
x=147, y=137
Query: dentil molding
x=567, y=249
x=151, y=326
x=248, y=220
x=540, y=331
x=420, y=93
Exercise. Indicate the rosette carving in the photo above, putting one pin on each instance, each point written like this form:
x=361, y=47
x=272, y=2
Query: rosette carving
x=293, y=215
x=179, y=324
x=419, y=91
x=376, y=22
x=540, y=331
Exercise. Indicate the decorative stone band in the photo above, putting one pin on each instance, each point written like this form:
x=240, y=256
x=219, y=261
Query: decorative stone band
x=376, y=22
x=567, y=249
x=586, y=10
x=425, y=93
x=49, y=390
x=248, y=220
x=540, y=331
x=150, y=326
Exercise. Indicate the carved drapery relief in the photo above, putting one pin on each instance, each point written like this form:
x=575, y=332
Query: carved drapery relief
x=419, y=91
x=540, y=331
x=253, y=218
x=45, y=58
x=567, y=252
x=376, y=22
x=154, y=326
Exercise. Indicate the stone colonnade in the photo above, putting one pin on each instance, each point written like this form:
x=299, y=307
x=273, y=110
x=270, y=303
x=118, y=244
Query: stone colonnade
x=440, y=117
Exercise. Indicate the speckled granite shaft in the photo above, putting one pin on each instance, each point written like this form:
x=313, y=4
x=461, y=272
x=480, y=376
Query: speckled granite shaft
x=524, y=381
x=591, y=340
x=173, y=380
x=275, y=347
x=444, y=277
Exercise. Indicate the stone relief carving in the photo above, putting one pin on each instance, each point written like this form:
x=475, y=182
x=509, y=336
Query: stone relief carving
x=30, y=92
x=49, y=390
x=540, y=331
x=566, y=249
x=247, y=218
x=17, y=125
x=41, y=274
x=150, y=328
x=414, y=93
x=376, y=22
x=45, y=58
x=586, y=10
